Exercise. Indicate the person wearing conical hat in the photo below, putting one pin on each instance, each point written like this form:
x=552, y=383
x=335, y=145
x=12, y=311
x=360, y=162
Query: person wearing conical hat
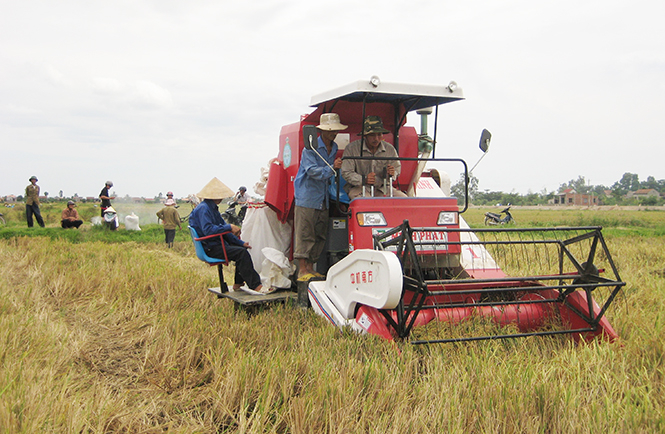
x=317, y=168
x=207, y=220
x=368, y=173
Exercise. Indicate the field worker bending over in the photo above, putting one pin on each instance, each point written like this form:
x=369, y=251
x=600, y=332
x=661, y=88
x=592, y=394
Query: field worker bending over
x=32, y=203
x=207, y=220
x=368, y=173
x=70, y=217
x=171, y=220
x=311, y=195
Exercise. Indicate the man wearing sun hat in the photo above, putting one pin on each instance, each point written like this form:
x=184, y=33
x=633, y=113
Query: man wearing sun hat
x=32, y=203
x=368, y=173
x=311, y=195
x=207, y=220
x=171, y=220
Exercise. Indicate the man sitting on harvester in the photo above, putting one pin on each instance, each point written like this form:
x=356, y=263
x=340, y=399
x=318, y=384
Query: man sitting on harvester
x=371, y=177
x=207, y=220
x=317, y=167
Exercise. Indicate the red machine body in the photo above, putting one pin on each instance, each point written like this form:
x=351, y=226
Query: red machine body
x=448, y=273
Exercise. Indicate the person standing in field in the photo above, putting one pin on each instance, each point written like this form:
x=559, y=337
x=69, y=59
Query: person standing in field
x=170, y=219
x=32, y=203
x=311, y=195
x=106, y=197
x=70, y=216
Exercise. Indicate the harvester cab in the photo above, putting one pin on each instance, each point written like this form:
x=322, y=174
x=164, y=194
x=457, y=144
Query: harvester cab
x=354, y=223
x=395, y=263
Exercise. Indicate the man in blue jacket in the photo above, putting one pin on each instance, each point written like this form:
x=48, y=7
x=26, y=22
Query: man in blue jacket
x=311, y=195
x=207, y=220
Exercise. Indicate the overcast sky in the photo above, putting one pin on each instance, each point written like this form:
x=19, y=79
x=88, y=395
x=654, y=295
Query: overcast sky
x=163, y=95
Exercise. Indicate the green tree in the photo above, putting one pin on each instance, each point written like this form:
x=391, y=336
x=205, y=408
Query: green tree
x=457, y=190
x=579, y=185
x=628, y=182
x=652, y=183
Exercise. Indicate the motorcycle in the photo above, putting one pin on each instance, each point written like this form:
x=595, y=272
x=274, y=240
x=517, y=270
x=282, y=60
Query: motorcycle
x=492, y=218
x=230, y=216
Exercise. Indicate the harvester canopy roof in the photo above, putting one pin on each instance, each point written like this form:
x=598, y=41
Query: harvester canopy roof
x=412, y=96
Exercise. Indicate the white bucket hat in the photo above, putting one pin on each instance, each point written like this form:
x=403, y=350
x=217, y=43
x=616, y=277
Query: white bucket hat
x=215, y=189
x=330, y=122
x=169, y=202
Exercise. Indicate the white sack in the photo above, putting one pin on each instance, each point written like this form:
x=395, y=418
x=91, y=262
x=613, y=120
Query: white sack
x=132, y=222
x=275, y=269
x=261, y=228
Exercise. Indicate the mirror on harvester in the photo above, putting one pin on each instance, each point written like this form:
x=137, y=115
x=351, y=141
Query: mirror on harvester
x=309, y=136
x=485, y=138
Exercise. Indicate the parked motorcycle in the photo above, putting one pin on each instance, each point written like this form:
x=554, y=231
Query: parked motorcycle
x=230, y=216
x=492, y=218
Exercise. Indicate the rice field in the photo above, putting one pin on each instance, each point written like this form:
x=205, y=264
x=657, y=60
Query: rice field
x=106, y=333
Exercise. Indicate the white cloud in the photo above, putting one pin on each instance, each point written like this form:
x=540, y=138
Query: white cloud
x=105, y=85
x=152, y=96
x=55, y=77
x=567, y=88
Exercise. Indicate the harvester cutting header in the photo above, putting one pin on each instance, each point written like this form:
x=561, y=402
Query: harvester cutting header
x=398, y=253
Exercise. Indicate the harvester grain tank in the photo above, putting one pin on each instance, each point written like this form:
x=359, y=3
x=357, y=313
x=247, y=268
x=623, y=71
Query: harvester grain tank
x=393, y=264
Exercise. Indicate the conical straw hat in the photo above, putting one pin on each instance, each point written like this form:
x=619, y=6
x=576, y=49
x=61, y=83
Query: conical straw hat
x=215, y=189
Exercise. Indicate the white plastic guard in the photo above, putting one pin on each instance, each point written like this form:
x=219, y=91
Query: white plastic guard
x=369, y=277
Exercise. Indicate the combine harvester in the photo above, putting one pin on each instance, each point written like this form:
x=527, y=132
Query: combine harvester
x=410, y=268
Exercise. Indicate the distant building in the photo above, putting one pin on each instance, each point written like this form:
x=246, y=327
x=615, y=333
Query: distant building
x=571, y=197
x=10, y=198
x=643, y=193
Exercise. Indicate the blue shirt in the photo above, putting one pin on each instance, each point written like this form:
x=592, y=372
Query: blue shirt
x=207, y=220
x=311, y=183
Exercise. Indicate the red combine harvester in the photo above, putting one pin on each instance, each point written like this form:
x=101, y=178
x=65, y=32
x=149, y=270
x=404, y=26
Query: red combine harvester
x=393, y=264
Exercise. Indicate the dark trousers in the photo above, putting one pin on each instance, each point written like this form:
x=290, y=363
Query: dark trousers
x=169, y=236
x=29, y=211
x=245, y=271
x=66, y=224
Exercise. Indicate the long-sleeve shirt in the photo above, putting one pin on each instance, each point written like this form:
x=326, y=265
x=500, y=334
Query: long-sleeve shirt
x=32, y=194
x=312, y=180
x=169, y=215
x=207, y=220
x=355, y=171
x=70, y=214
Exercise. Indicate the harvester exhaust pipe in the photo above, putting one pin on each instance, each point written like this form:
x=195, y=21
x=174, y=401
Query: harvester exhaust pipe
x=424, y=113
x=425, y=148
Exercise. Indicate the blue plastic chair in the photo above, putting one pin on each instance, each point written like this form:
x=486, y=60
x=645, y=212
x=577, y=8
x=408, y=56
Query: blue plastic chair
x=201, y=254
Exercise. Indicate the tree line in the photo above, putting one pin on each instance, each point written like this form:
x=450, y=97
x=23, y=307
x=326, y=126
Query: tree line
x=616, y=194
